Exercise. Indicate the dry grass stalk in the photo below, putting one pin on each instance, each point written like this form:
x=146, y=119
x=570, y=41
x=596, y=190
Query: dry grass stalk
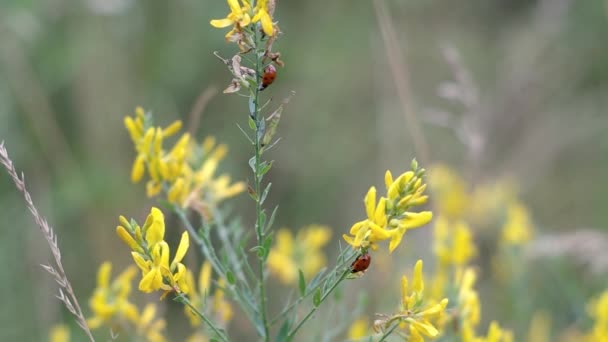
x=66, y=294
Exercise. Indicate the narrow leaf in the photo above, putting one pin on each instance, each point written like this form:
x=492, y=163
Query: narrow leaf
x=316, y=299
x=230, y=277
x=302, y=283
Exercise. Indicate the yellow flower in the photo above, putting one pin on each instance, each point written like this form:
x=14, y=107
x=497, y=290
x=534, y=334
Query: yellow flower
x=238, y=16
x=146, y=326
x=518, y=228
x=389, y=218
x=304, y=252
x=416, y=314
x=59, y=333
x=151, y=253
x=110, y=299
x=199, y=188
x=220, y=308
x=358, y=329
x=161, y=165
x=262, y=14
x=598, y=311
x=453, y=245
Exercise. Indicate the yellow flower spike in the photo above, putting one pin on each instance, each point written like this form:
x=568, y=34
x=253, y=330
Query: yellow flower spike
x=388, y=179
x=418, y=282
x=137, y=172
x=156, y=231
x=127, y=238
x=172, y=128
x=153, y=188
x=182, y=248
x=380, y=213
x=370, y=202
x=204, y=279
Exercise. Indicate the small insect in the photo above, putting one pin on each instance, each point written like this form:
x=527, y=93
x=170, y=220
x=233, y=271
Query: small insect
x=361, y=263
x=270, y=73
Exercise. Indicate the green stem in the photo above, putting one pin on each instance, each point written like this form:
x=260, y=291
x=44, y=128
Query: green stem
x=347, y=261
x=314, y=309
x=388, y=332
x=259, y=229
x=184, y=300
x=207, y=250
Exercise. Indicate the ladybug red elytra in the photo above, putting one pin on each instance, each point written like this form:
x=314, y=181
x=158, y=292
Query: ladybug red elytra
x=270, y=73
x=361, y=263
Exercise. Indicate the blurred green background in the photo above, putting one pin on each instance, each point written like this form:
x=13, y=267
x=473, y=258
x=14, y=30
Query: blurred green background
x=71, y=70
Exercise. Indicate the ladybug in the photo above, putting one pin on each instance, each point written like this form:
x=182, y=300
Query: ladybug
x=361, y=263
x=270, y=73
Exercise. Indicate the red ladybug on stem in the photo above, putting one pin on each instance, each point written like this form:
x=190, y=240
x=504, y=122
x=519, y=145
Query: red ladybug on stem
x=361, y=263
x=270, y=73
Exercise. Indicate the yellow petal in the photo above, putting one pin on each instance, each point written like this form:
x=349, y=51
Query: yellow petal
x=404, y=292
x=172, y=128
x=266, y=22
x=141, y=262
x=151, y=281
x=204, y=278
x=156, y=230
x=182, y=248
x=378, y=233
x=415, y=220
x=103, y=275
x=388, y=179
x=221, y=23
x=370, y=202
x=127, y=238
x=137, y=172
x=415, y=335
x=426, y=328
x=396, y=237
x=418, y=282
x=380, y=213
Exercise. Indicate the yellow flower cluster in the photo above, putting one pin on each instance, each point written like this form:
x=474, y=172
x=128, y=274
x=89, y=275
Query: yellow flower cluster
x=454, y=245
x=186, y=171
x=220, y=308
x=242, y=15
x=302, y=253
x=598, y=310
x=111, y=306
x=517, y=229
x=389, y=218
x=416, y=314
x=151, y=253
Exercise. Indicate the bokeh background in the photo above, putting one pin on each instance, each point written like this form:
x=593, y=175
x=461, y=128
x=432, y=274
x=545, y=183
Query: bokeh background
x=367, y=100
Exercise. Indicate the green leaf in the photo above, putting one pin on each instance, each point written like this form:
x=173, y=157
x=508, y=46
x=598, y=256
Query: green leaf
x=265, y=193
x=251, y=123
x=316, y=280
x=302, y=283
x=252, y=107
x=264, y=168
x=230, y=277
x=316, y=298
x=271, y=219
x=283, y=334
x=261, y=129
x=252, y=163
x=267, y=244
